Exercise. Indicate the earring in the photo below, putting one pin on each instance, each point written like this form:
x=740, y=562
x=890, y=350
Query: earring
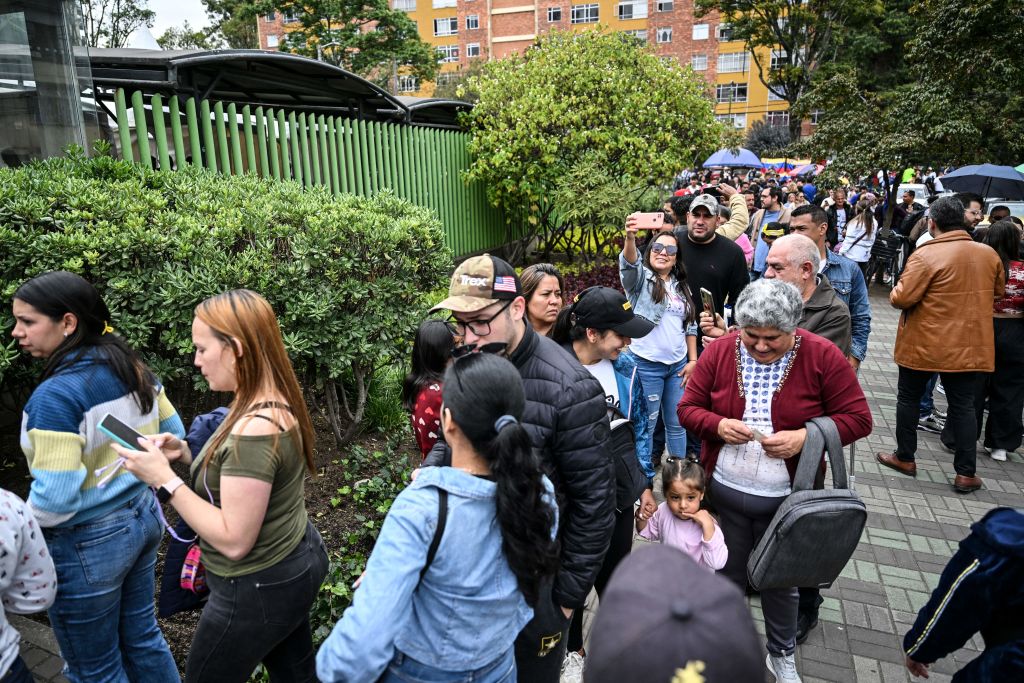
x=65, y=335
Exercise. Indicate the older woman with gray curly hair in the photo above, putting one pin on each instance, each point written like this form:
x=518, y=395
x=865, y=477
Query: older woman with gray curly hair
x=749, y=398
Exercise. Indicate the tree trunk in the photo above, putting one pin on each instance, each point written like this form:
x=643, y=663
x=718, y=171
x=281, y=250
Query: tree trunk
x=338, y=406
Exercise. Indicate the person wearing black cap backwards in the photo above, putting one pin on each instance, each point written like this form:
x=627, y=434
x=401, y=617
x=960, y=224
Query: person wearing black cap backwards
x=596, y=329
x=566, y=418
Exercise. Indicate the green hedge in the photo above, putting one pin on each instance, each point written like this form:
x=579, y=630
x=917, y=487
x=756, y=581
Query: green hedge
x=346, y=274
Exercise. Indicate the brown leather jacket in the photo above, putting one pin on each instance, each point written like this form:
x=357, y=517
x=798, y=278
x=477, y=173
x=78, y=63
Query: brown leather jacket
x=946, y=293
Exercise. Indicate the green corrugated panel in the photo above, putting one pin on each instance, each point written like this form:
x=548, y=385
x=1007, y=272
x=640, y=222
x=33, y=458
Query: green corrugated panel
x=124, y=131
x=176, y=137
x=249, y=139
x=373, y=148
x=261, y=140
x=282, y=140
x=423, y=167
x=141, y=129
x=307, y=174
x=394, y=156
x=400, y=162
x=293, y=139
x=325, y=150
x=194, y=142
x=332, y=155
x=366, y=167
x=273, y=150
x=381, y=155
x=344, y=165
x=222, y=138
x=352, y=157
x=385, y=152
x=314, y=149
x=235, y=140
x=211, y=150
x=156, y=106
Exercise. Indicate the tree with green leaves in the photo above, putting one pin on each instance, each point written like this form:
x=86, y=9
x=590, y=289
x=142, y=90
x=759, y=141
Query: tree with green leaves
x=766, y=140
x=365, y=37
x=185, y=37
x=458, y=85
x=569, y=135
x=234, y=22
x=109, y=23
x=805, y=34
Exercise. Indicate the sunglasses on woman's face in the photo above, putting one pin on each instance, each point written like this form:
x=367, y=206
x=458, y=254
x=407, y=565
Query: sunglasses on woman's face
x=669, y=249
x=467, y=349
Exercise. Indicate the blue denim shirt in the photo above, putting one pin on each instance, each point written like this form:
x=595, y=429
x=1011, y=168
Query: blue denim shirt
x=848, y=281
x=637, y=281
x=466, y=611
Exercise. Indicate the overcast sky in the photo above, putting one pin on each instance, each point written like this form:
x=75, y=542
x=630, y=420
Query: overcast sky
x=175, y=12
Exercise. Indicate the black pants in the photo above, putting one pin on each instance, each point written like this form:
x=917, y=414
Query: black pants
x=744, y=519
x=1004, y=389
x=261, y=617
x=622, y=542
x=540, y=646
x=961, y=431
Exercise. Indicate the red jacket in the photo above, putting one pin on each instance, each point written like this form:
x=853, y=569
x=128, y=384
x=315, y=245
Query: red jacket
x=820, y=382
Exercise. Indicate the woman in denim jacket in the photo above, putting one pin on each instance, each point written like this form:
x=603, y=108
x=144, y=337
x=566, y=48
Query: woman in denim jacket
x=459, y=620
x=657, y=290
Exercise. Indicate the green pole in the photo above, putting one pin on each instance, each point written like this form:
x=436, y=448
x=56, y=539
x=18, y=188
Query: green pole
x=367, y=156
x=211, y=149
x=325, y=150
x=250, y=142
x=293, y=136
x=358, y=157
x=332, y=155
x=222, y=139
x=381, y=179
x=236, y=141
x=124, y=131
x=307, y=176
x=314, y=149
x=156, y=104
x=194, y=142
x=351, y=180
x=141, y=129
x=261, y=137
x=176, y=136
x=282, y=137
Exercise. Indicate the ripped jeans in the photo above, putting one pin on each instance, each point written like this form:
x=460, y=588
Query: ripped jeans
x=663, y=391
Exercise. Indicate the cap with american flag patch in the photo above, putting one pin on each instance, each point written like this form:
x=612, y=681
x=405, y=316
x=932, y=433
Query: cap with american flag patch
x=478, y=282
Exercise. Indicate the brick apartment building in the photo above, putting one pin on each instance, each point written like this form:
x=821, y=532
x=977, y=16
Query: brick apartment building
x=463, y=30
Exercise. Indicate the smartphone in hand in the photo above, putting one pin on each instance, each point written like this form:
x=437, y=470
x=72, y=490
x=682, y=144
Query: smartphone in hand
x=709, y=302
x=649, y=221
x=120, y=432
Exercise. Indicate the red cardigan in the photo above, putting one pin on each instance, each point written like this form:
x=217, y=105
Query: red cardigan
x=820, y=382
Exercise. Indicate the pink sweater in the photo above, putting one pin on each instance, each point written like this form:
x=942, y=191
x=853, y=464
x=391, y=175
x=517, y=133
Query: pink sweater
x=688, y=536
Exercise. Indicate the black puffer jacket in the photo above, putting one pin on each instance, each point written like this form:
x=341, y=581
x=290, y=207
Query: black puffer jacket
x=566, y=417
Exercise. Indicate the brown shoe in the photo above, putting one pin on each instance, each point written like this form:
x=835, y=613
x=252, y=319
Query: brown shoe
x=890, y=460
x=964, y=484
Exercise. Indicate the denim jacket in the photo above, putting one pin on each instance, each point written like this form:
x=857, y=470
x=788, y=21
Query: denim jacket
x=466, y=611
x=848, y=281
x=637, y=281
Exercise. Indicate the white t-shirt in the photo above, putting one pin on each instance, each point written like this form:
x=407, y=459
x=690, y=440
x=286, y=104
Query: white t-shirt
x=604, y=371
x=666, y=343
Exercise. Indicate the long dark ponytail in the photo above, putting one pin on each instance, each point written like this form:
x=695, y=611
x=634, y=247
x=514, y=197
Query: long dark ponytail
x=59, y=292
x=485, y=395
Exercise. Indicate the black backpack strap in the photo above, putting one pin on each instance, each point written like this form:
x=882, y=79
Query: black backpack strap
x=442, y=519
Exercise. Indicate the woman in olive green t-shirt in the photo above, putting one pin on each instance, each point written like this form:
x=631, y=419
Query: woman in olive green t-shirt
x=264, y=560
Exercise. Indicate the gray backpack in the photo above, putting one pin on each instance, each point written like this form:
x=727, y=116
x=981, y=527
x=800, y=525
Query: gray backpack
x=814, y=532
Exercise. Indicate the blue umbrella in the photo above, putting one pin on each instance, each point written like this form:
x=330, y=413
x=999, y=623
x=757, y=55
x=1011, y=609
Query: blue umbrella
x=744, y=158
x=986, y=180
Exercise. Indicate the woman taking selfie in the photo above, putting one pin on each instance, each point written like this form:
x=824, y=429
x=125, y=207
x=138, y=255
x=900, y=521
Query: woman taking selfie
x=454, y=615
x=543, y=291
x=100, y=523
x=264, y=560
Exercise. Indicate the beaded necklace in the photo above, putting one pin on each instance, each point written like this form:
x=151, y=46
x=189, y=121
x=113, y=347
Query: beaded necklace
x=785, y=372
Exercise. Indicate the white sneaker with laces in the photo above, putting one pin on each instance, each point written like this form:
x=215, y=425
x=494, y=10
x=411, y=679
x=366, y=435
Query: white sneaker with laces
x=572, y=668
x=783, y=668
x=998, y=454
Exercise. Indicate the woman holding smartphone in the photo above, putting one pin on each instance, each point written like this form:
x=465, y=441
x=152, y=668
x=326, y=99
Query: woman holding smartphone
x=264, y=560
x=103, y=538
x=657, y=290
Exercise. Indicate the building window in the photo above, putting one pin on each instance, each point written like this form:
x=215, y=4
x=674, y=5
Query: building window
x=584, y=14
x=699, y=62
x=554, y=14
x=272, y=40
x=472, y=49
x=449, y=26
x=634, y=9
x=664, y=35
x=779, y=59
x=737, y=120
x=772, y=97
x=815, y=116
x=291, y=16
x=447, y=53
x=733, y=62
x=640, y=34
x=665, y=5
x=700, y=31
x=472, y=22
x=271, y=16
x=405, y=5
x=777, y=118
x=731, y=92
x=440, y=4
x=407, y=84
x=724, y=32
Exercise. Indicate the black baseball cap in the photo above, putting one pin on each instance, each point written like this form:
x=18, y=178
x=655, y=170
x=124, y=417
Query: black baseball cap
x=604, y=308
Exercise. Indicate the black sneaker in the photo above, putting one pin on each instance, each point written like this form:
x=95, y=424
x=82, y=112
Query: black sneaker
x=805, y=623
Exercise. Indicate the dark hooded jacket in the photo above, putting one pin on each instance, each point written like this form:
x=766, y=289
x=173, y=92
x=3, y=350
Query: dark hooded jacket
x=827, y=316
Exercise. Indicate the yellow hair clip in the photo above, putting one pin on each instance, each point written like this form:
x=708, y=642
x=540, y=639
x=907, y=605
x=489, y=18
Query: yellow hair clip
x=107, y=329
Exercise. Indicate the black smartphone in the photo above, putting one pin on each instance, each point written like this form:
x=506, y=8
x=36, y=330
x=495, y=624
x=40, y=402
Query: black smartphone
x=120, y=432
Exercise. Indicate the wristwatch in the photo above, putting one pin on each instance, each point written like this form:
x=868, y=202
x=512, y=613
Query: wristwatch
x=164, y=493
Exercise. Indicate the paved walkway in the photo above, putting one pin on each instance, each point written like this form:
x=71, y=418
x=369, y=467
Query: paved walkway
x=913, y=528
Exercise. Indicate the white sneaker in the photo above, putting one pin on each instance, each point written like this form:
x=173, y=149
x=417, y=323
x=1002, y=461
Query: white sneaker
x=783, y=668
x=998, y=454
x=572, y=668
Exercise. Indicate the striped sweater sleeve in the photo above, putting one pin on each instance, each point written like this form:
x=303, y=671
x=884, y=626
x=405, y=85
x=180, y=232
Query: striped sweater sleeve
x=53, y=442
x=170, y=421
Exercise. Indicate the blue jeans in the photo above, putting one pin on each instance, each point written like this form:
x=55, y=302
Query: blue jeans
x=103, y=617
x=662, y=385
x=927, y=401
x=405, y=669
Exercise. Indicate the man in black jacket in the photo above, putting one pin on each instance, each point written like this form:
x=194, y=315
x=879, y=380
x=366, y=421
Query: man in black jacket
x=839, y=214
x=567, y=421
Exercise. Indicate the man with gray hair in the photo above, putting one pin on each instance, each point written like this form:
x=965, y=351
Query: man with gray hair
x=946, y=294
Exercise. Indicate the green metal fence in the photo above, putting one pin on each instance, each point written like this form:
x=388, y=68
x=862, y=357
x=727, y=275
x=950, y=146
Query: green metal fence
x=347, y=155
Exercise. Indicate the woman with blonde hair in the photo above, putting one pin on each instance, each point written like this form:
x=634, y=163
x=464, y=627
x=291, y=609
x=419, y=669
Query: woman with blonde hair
x=264, y=560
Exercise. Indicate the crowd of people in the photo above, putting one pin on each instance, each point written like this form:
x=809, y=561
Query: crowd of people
x=542, y=424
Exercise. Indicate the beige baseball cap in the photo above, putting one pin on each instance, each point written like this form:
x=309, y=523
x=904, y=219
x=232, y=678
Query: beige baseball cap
x=478, y=282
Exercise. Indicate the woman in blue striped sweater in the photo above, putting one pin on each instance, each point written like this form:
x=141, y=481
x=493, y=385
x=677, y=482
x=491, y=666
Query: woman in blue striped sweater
x=101, y=523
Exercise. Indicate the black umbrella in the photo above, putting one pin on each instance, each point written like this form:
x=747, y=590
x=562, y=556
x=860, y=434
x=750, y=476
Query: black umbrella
x=986, y=180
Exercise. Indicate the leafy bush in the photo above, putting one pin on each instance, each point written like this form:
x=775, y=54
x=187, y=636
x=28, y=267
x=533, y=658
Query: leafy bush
x=344, y=274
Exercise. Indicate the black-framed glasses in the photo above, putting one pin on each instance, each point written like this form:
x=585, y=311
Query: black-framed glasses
x=480, y=328
x=469, y=349
x=669, y=249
